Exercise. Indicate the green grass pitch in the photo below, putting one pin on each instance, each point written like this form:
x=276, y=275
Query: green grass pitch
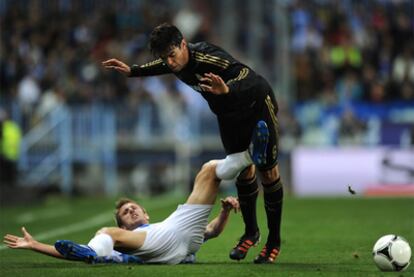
x=321, y=237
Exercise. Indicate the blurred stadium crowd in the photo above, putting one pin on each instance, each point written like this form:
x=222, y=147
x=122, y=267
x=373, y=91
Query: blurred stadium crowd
x=352, y=64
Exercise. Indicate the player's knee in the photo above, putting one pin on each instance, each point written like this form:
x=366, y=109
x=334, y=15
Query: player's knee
x=270, y=175
x=207, y=174
x=247, y=174
x=209, y=167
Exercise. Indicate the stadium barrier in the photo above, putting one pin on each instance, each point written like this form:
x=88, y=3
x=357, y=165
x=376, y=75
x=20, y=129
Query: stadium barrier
x=349, y=170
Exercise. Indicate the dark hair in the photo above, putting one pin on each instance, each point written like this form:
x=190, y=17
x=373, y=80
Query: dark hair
x=163, y=38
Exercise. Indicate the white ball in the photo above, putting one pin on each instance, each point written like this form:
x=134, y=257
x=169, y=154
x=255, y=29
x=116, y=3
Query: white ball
x=392, y=253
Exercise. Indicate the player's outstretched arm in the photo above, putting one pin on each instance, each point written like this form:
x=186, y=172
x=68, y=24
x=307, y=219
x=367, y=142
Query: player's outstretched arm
x=118, y=66
x=216, y=226
x=29, y=243
x=153, y=68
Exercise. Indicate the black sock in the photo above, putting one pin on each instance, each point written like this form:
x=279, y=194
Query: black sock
x=273, y=198
x=247, y=191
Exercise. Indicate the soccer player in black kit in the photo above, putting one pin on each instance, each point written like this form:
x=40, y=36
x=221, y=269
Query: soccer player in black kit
x=240, y=98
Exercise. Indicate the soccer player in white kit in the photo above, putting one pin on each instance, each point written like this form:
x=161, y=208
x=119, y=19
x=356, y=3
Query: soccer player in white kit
x=171, y=241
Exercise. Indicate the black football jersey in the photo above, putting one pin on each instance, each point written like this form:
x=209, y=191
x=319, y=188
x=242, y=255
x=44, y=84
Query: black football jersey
x=245, y=86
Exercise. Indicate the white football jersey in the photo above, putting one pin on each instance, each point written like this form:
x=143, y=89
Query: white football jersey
x=171, y=240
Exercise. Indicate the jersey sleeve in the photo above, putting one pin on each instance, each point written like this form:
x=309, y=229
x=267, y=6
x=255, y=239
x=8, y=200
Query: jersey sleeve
x=241, y=78
x=156, y=67
x=237, y=76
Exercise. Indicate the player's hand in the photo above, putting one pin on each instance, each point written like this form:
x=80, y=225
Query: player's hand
x=25, y=242
x=117, y=65
x=230, y=203
x=214, y=84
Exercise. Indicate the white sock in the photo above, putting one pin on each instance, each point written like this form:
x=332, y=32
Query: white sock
x=231, y=166
x=102, y=244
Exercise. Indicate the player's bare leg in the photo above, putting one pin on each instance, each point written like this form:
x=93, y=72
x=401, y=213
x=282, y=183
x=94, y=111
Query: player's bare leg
x=206, y=185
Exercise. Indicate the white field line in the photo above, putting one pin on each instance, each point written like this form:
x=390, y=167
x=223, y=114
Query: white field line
x=94, y=221
x=97, y=220
x=42, y=215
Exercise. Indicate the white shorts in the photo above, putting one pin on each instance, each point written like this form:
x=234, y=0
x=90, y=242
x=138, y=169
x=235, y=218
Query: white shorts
x=171, y=240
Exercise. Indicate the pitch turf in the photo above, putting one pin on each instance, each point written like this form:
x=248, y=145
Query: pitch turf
x=321, y=237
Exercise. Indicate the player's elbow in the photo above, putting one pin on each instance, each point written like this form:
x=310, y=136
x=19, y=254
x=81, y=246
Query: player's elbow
x=211, y=234
x=114, y=232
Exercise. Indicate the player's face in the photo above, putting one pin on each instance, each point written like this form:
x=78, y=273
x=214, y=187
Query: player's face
x=132, y=216
x=176, y=57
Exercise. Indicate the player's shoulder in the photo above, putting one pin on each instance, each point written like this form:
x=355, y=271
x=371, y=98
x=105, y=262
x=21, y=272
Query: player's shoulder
x=210, y=53
x=202, y=46
x=207, y=48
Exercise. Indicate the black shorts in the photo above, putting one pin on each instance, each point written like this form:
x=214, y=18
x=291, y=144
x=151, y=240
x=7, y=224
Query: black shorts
x=236, y=132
